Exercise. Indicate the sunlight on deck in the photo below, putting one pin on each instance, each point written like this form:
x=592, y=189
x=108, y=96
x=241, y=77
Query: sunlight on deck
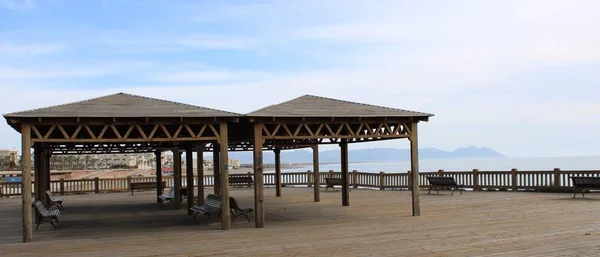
x=377, y=223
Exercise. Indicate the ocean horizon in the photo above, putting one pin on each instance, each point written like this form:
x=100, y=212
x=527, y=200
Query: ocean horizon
x=468, y=164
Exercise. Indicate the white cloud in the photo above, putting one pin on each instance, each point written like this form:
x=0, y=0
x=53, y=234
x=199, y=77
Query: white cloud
x=9, y=48
x=18, y=5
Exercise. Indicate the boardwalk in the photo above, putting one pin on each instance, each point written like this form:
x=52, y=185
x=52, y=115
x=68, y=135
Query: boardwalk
x=378, y=223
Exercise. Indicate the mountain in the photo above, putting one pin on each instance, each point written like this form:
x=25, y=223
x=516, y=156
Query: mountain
x=367, y=155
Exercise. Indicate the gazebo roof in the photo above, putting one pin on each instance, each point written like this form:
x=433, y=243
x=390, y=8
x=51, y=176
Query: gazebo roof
x=122, y=105
x=317, y=106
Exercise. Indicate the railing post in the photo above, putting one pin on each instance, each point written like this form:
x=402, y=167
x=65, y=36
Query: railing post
x=96, y=185
x=476, y=180
x=250, y=175
x=409, y=174
x=513, y=178
x=382, y=180
x=62, y=186
x=557, y=181
x=128, y=183
x=308, y=178
x=355, y=178
x=440, y=173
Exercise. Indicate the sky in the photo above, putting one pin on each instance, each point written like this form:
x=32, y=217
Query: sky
x=518, y=76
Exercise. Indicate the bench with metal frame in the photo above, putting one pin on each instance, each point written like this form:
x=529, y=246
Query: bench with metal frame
x=50, y=216
x=581, y=183
x=443, y=182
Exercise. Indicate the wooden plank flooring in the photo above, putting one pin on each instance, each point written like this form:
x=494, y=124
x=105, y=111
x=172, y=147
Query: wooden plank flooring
x=377, y=223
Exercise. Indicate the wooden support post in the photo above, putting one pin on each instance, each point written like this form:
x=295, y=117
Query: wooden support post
x=47, y=174
x=513, y=179
x=355, y=178
x=200, y=171
x=62, y=186
x=128, y=183
x=476, y=180
x=159, y=189
x=344, y=162
x=414, y=164
x=259, y=205
x=557, y=180
x=224, y=142
x=409, y=176
x=382, y=180
x=177, y=178
x=277, y=172
x=316, y=175
x=38, y=170
x=96, y=185
x=26, y=182
x=216, y=169
x=189, y=173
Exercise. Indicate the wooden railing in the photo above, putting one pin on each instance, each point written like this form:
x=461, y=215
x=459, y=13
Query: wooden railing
x=477, y=180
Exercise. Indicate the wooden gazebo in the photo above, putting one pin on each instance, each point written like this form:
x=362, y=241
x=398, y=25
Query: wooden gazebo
x=124, y=123
x=119, y=123
x=313, y=120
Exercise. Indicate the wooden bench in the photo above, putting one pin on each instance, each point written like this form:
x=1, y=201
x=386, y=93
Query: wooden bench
x=241, y=180
x=212, y=206
x=580, y=183
x=330, y=182
x=443, y=182
x=50, y=216
x=55, y=200
x=144, y=185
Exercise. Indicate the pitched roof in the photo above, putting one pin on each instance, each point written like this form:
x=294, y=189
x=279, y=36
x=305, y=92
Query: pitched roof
x=122, y=105
x=317, y=106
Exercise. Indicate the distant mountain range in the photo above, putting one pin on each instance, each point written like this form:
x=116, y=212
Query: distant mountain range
x=367, y=155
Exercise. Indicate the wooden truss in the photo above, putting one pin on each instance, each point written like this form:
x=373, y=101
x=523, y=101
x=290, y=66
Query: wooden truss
x=123, y=133
x=333, y=132
x=102, y=148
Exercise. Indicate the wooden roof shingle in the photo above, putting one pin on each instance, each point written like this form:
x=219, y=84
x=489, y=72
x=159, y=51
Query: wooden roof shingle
x=122, y=105
x=317, y=106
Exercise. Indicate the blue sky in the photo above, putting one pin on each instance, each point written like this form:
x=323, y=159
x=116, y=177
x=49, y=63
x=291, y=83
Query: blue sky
x=520, y=76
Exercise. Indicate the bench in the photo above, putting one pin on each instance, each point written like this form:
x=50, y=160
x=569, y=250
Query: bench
x=330, y=182
x=144, y=185
x=241, y=180
x=237, y=210
x=50, y=216
x=55, y=200
x=443, y=182
x=580, y=183
x=212, y=206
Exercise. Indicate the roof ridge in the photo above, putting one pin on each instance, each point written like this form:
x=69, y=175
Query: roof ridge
x=269, y=106
x=178, y=103
x=60, y=105
x=364, y=104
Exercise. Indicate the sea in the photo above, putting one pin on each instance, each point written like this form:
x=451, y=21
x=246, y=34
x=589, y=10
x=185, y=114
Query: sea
x=483, y=164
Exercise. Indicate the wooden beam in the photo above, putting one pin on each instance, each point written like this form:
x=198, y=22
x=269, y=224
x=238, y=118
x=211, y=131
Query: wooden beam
x=344, y=162
x=189, y=173
x=200, y=171
x=26, y=182
x=259, y=205
x=316, y=175
x=159, y=189
x=224, y=142
x=414, y=164
x=216, y=169
x=46, y=175
x=177, y=178
x=37, y=165
x=277, y=172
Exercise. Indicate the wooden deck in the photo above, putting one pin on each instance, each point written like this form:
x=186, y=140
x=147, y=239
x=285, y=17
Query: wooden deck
x=377, y=223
